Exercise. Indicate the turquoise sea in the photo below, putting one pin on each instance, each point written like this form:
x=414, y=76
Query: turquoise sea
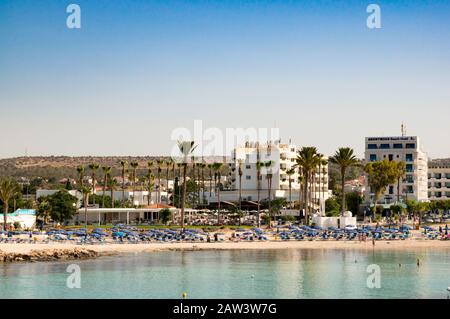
x=236, y=274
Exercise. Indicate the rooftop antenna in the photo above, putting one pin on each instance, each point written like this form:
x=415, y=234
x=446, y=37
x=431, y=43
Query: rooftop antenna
x=403, y=130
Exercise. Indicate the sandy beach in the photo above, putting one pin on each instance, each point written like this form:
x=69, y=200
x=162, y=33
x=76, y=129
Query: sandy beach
x=111, y=249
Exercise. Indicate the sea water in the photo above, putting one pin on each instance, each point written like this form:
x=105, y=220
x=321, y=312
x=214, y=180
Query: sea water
x=288, y=273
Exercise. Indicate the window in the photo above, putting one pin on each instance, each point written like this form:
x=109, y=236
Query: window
x=447, y=176
x=391, y=157
x=409, y=178
x=373, y=157
x=409, y=157
x=398, y=146
x=409, y=189
x=385, y=146
x=410, y=145
x=437, y=175
x=372, y=146
x=409, y=168
x=248, y=166
x=391, y=190
x=248, y=177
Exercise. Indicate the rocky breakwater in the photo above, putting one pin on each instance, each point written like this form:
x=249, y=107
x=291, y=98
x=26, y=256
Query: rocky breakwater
x=48, y=255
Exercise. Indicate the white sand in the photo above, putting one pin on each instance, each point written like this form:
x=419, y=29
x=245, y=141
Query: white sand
x=134, y=248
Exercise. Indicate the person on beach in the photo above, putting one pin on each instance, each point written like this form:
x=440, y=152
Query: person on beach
x=373, y=241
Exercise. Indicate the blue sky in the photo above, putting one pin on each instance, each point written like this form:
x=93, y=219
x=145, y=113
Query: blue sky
x=136, y=70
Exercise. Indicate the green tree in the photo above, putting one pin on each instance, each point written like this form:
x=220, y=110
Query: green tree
x=289, y=173
x=165, y=215
x=332, y=206
x=344, y=158
x=8, y=190
x=380, y=174
x=80, y=170
x=400, y=172
x=353, y=200
x=44, y=208
x=269, y=175
x=134, y=165
x=217, y=167
x=186, y=148
x=307, y=160
x=240, y=173
x=63, y=206
x=106, y=171
x=123, y=165
x=93, y=167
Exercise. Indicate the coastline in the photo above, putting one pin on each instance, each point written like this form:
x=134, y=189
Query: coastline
x=67, y=251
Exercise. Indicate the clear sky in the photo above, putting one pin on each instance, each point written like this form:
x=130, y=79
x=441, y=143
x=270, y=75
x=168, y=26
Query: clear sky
x=136, y=70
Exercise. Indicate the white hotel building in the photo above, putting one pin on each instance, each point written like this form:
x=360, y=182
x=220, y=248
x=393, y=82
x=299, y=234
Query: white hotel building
x=400, y=148
x=284, y=158
x=439, y=179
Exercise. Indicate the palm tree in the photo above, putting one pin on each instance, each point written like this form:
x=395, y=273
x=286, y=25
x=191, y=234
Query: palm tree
x=301, y=180
x=210, y=166
x=159, y=164
x=124, y=165
x=168, y=164
x=289, y=173
x=8, y=190
x=203, y=166
x=345, y=158
x=149, y=173
x=80, y=170
x=134, y=166
x=268, y=165
x=112, y=184
x=93, y=167
x=324, y=171
x=106, y=171
x=240, y=172
x=307, y=160
x=179, y=166
x=259, y=165
x=85, y=191
x=217, y=167
x=400, y=174
x=186, y=148
x=150, y=184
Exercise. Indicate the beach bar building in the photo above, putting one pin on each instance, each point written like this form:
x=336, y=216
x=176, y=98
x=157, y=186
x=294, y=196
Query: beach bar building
x=25, y=217
x=121, y=215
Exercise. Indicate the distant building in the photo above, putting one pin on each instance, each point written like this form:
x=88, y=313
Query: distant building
x=439, y=179
x=400, y=148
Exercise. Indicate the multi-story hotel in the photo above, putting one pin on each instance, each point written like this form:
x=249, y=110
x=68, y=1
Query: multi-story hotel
x=439, y=179
x=283, y=157
x=400, y=148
